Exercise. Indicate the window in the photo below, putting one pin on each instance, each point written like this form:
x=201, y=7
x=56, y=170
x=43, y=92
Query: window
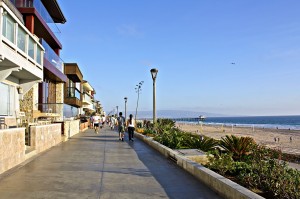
x=31, y=48
x=21, y=39
x=39, y=55
x=7, y=100
x=8, y=28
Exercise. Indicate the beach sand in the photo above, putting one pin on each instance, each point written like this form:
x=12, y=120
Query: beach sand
x=262, y=136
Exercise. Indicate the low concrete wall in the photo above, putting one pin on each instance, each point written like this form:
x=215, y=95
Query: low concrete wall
x=223, y=186
x=12, y=148
x=45, y=136
x=71, y=128
x=84, y=126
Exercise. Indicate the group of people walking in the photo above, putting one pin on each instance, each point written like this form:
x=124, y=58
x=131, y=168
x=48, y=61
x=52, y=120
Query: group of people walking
x=120, y=122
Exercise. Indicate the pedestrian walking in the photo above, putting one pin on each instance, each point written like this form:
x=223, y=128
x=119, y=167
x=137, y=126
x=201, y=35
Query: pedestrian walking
x=96, y=121
x=91, y=122
x=121, y=126
x=112, y=122
x=130, y=124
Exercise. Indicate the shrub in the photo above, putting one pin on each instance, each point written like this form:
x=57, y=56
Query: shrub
x=238, y=146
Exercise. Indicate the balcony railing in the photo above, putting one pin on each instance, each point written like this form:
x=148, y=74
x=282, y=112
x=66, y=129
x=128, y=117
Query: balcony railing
x=87, y=98
x=20, y=39
x=70, y=111
x=50, y=107
x=38, y=5
x=73, y=92
x=52, y=57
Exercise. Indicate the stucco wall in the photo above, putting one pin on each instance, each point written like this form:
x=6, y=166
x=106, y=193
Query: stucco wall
x=12, y=148
x=60, y=99
x=71, y=127
x=45, y=136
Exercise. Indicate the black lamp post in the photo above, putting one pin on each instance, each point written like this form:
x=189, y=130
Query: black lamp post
x=125, y=98
x=154, y=72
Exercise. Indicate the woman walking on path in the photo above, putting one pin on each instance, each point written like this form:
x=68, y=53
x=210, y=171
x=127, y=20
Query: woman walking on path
x=130, y=126
x=121, y=126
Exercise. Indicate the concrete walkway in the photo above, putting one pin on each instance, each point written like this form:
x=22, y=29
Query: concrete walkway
x=100, y=166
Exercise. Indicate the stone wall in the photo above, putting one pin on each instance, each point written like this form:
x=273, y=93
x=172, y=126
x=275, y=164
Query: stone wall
x=12, y=148
x=27, y=102
x=45, y=136
x=71, y=128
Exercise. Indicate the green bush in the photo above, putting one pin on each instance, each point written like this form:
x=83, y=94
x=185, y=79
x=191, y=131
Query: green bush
x=238, y=146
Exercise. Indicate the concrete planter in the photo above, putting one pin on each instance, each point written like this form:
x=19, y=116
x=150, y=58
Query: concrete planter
x=223, y=186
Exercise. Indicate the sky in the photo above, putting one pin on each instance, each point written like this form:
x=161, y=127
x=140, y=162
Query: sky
x=228, y=57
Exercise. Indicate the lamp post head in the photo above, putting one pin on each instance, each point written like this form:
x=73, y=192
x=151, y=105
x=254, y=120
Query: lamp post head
x=154, y=72
x=125, y=98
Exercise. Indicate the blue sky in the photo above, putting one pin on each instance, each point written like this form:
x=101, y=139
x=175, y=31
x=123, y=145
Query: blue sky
x=192, y=43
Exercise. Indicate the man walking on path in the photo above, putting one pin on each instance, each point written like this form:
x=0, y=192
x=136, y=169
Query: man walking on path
x=121, y=126
x=96, y=120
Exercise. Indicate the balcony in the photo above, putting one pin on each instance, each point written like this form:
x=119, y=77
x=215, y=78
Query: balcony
x=44, y=25
x=21, y=54
x=73, y=72
x=86, y=99
x=72, y=97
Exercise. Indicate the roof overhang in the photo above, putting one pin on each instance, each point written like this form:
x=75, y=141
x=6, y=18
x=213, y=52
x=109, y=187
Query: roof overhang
x=54, y=10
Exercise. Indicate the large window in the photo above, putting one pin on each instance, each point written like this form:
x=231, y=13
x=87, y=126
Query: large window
x=7, y=99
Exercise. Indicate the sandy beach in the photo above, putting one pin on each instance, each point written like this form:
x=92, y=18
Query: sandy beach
x=260, y=135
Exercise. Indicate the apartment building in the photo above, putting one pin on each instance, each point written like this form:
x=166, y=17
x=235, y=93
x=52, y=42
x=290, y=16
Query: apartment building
x=21, y=60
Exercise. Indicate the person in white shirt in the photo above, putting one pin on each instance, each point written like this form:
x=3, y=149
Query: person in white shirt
x=131, y=127
x=96, y=121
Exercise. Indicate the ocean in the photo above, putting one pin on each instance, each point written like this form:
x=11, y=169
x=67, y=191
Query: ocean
x=280, y=122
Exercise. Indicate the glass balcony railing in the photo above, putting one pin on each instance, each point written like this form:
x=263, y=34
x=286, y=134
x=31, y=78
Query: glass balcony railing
x=38, y=5
x=50, y=107
x=52, y=57
x=70, y=111
x=87, y=98
x=19, y=38
x=73, y=92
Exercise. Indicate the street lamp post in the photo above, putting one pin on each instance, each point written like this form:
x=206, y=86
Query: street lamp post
x=125, y=98
x=138, y=89
x=154, y=72
x=117, y=110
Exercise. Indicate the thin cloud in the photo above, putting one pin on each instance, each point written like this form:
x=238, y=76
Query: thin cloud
x=128, y=30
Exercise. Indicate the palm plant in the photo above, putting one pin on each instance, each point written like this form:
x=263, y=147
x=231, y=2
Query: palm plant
x=238, y=146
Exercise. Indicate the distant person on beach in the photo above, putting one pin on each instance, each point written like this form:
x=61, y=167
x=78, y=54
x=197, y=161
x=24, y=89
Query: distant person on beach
x=291, y=139
x=130, y=126
x=121, y=126
x=275, y=139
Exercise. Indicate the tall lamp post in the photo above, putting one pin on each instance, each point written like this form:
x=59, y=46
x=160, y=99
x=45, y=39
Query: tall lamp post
x=154, y=72
x=138, y=89
x=125, y=98
x=117, y=110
